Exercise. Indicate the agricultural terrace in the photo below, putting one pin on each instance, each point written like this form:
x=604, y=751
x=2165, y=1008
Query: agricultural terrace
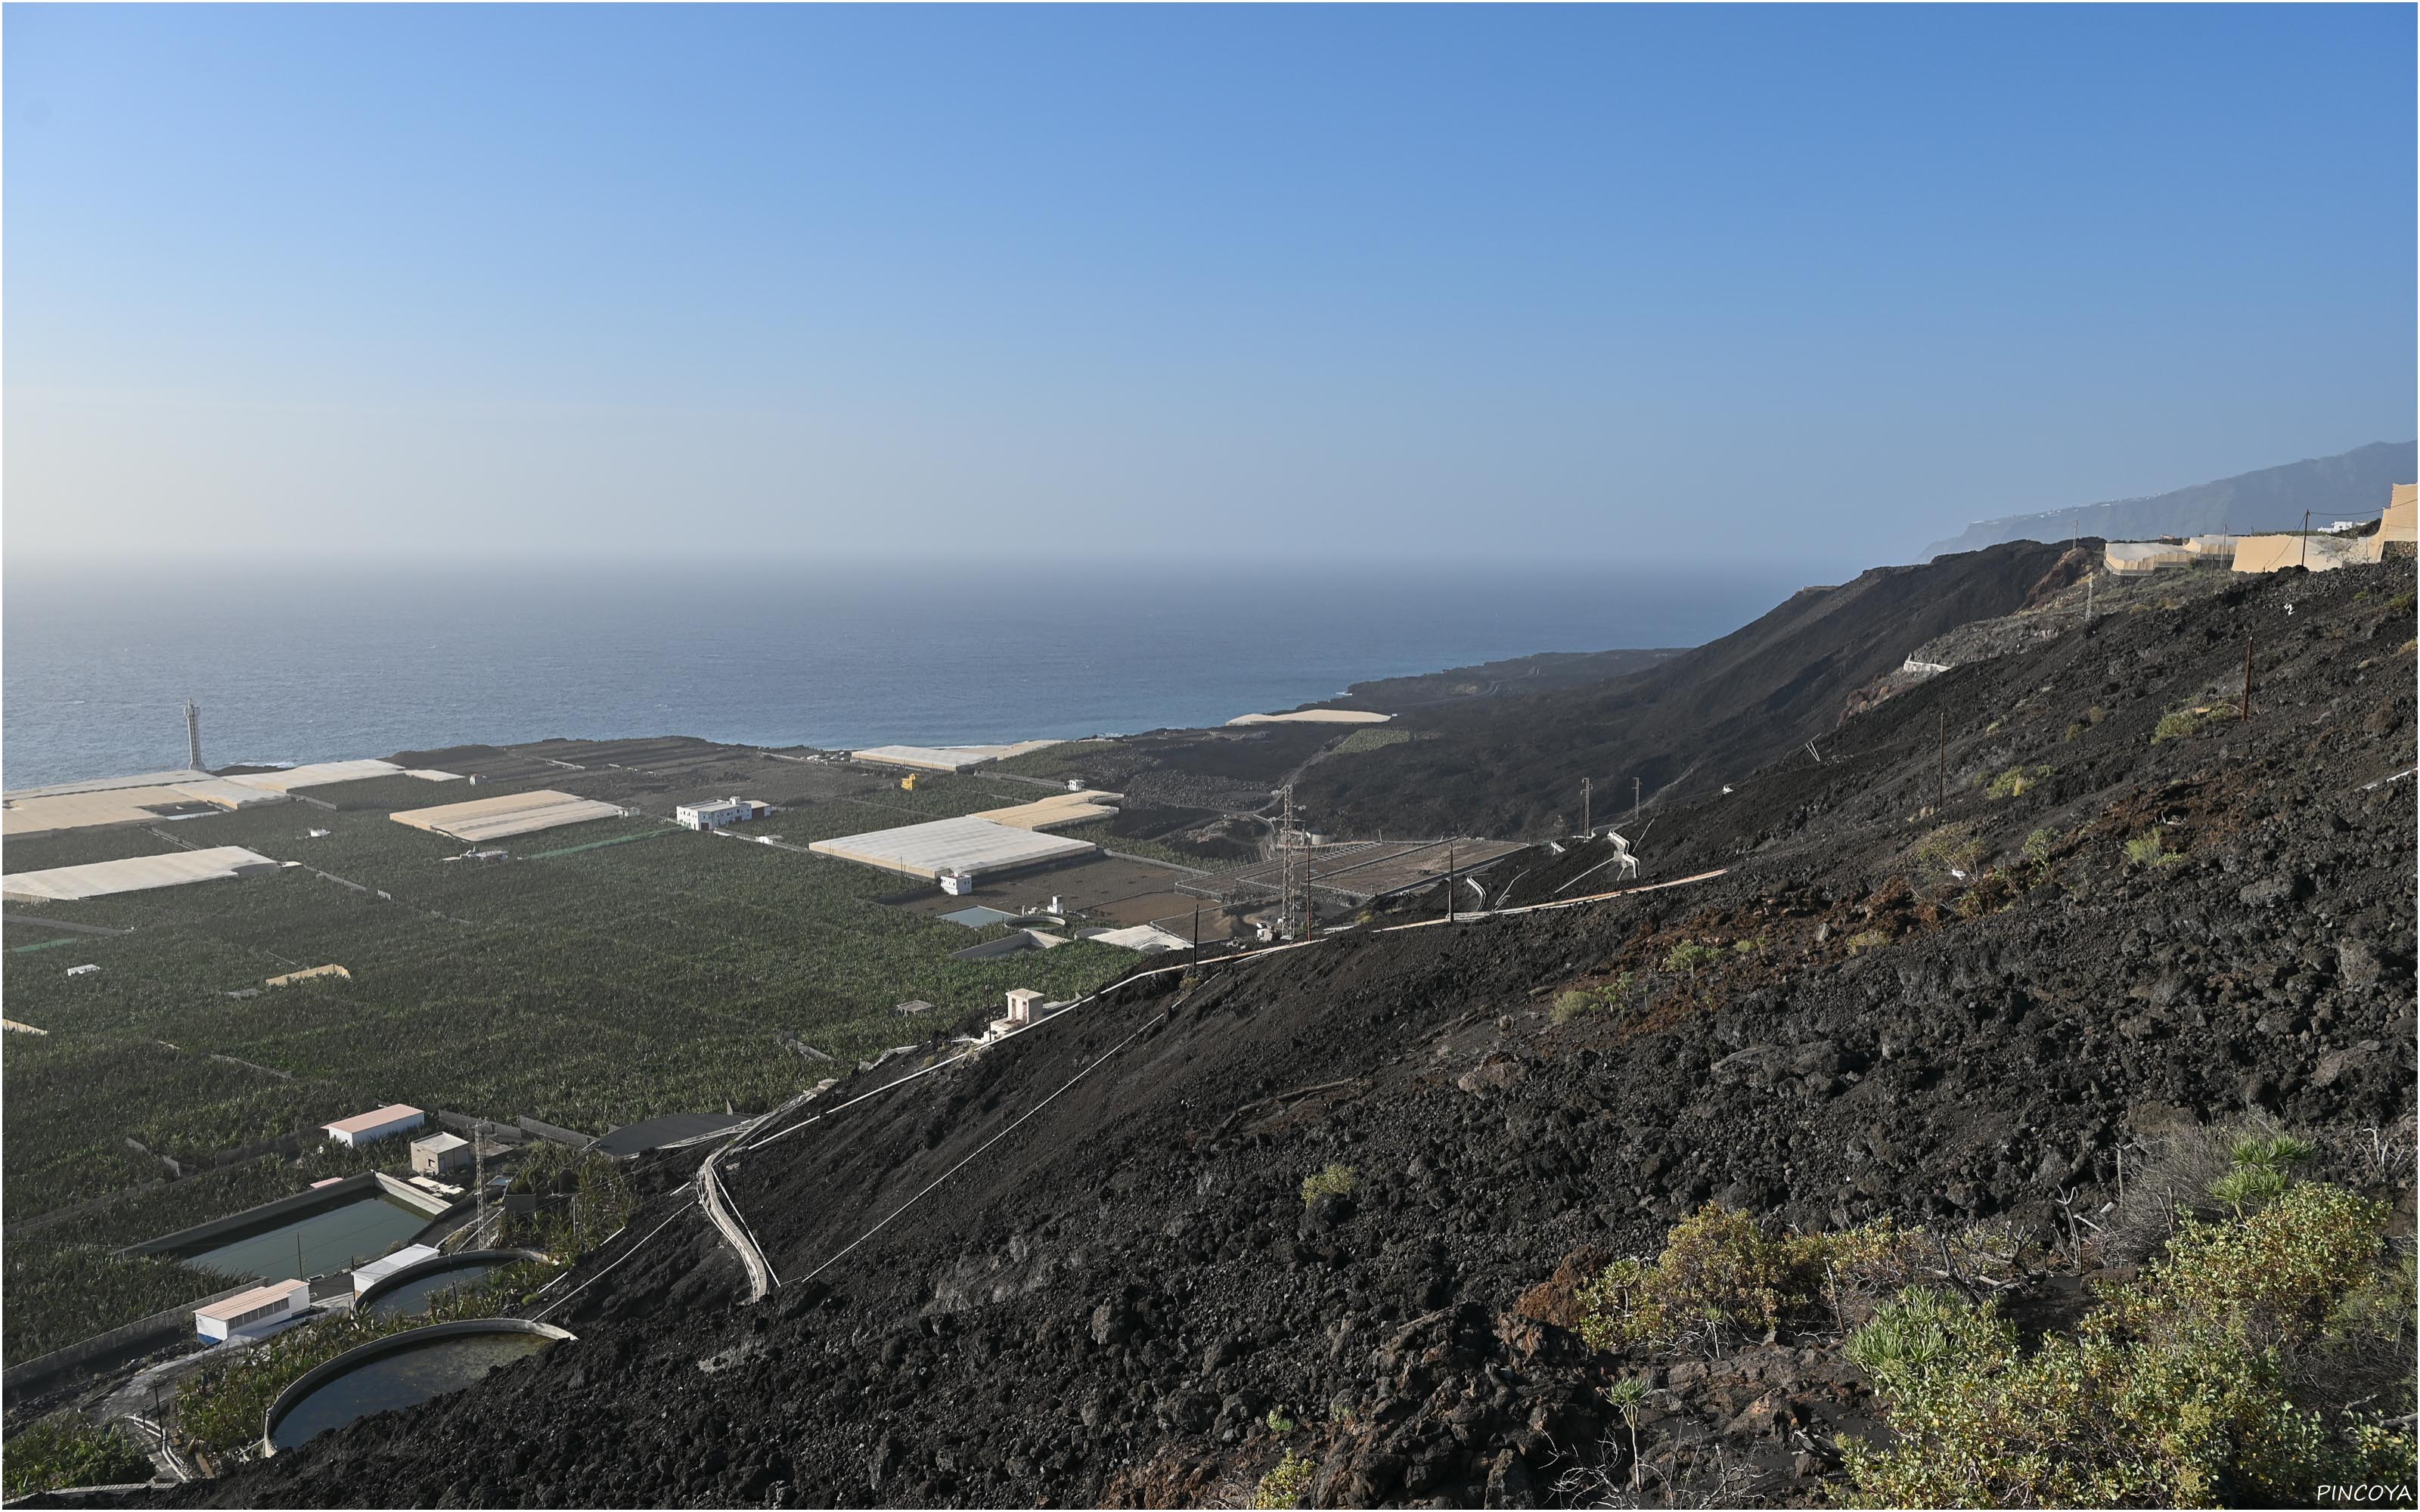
x=611, y=971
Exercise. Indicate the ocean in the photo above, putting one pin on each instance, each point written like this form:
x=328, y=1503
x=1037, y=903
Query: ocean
x=297, y=665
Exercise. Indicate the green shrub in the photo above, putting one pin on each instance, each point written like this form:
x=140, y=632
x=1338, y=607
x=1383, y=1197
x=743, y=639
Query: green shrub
x=1578, y=1001
x=1750, y=947
x=1288, y=1485
x=2017, y=781
x=1690, y=955
x=2248, y=1187
x=1721, y=1269
x=68, y=1449
x=1951, y=848
x=2082, y=1422
x=1334, y=1180
x=2381, y=1307
x=2272, y=1151
x=2181, y=723
x=1911, y=1333
x=2270, y=1280
x=1279, y=1424
x=1867, y=939
x=2146, y=849
x=2171, y=1392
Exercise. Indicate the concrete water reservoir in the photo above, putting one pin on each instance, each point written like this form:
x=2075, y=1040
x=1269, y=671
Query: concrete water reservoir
x=318, y=1243
x=408, y=1290
x=400, y=1370
x=310, y=1233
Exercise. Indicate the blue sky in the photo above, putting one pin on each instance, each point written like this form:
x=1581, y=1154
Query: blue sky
x=1520, y=283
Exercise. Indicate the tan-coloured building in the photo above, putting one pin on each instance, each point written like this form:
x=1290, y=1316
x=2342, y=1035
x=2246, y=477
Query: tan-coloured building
x=2139, y=559
x=98, y=879
x=316, y=773
x=1055, y=812
x=2401, y=521
x=308, y=973
x=2319, y=553
x=2325, y=553
x=946, y=758
x=505, y=814
x=27, y=812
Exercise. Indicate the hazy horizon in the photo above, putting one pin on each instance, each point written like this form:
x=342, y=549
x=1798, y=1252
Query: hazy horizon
x=1094, y=287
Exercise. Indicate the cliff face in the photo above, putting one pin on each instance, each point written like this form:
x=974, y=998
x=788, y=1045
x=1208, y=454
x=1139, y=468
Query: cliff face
x=1117, y=1292
x=2345, y=487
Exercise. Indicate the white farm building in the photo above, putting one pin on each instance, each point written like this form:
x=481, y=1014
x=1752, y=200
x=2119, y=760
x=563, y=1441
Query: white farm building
x=967, y=847
x=379, y=1123
x=717, y=813
x=252, y=1313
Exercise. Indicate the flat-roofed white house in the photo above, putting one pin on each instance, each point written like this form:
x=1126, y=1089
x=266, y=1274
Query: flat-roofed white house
x=720, y=811
x=378, y=1123
x=252, y=1314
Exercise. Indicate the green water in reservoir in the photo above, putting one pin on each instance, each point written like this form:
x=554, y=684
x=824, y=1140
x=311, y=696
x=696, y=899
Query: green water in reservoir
x=412, y=1296
x=406, y=1379
x=316, y=1244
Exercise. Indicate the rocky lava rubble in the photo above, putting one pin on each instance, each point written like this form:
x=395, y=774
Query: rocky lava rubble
x=1881, y=1012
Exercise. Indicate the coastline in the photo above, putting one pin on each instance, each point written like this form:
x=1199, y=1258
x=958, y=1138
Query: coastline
x=340, y=664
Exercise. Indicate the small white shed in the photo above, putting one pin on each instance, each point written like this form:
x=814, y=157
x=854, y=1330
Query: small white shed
x=368, y=1276
x=438, y=1153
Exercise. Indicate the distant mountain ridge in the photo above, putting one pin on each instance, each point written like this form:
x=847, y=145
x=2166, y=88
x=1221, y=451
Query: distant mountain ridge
x=2344, y=486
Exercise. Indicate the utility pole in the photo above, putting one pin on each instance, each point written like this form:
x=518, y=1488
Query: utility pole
x=1586, y=827
x=2244, y=714
x=1197, y=929
x=1287, y=864
x=1634, y=803
x=2306, y=539
x=1449, y=883
x=1941, y=766
x=193, y=734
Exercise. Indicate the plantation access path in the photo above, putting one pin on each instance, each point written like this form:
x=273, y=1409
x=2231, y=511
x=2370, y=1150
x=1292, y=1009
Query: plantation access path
x=733, y=1226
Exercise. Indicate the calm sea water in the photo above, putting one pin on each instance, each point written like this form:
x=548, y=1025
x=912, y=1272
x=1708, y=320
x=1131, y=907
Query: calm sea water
x=297, y=666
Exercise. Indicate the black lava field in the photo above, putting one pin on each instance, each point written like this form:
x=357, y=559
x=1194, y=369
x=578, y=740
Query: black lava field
x=1078, y=1267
